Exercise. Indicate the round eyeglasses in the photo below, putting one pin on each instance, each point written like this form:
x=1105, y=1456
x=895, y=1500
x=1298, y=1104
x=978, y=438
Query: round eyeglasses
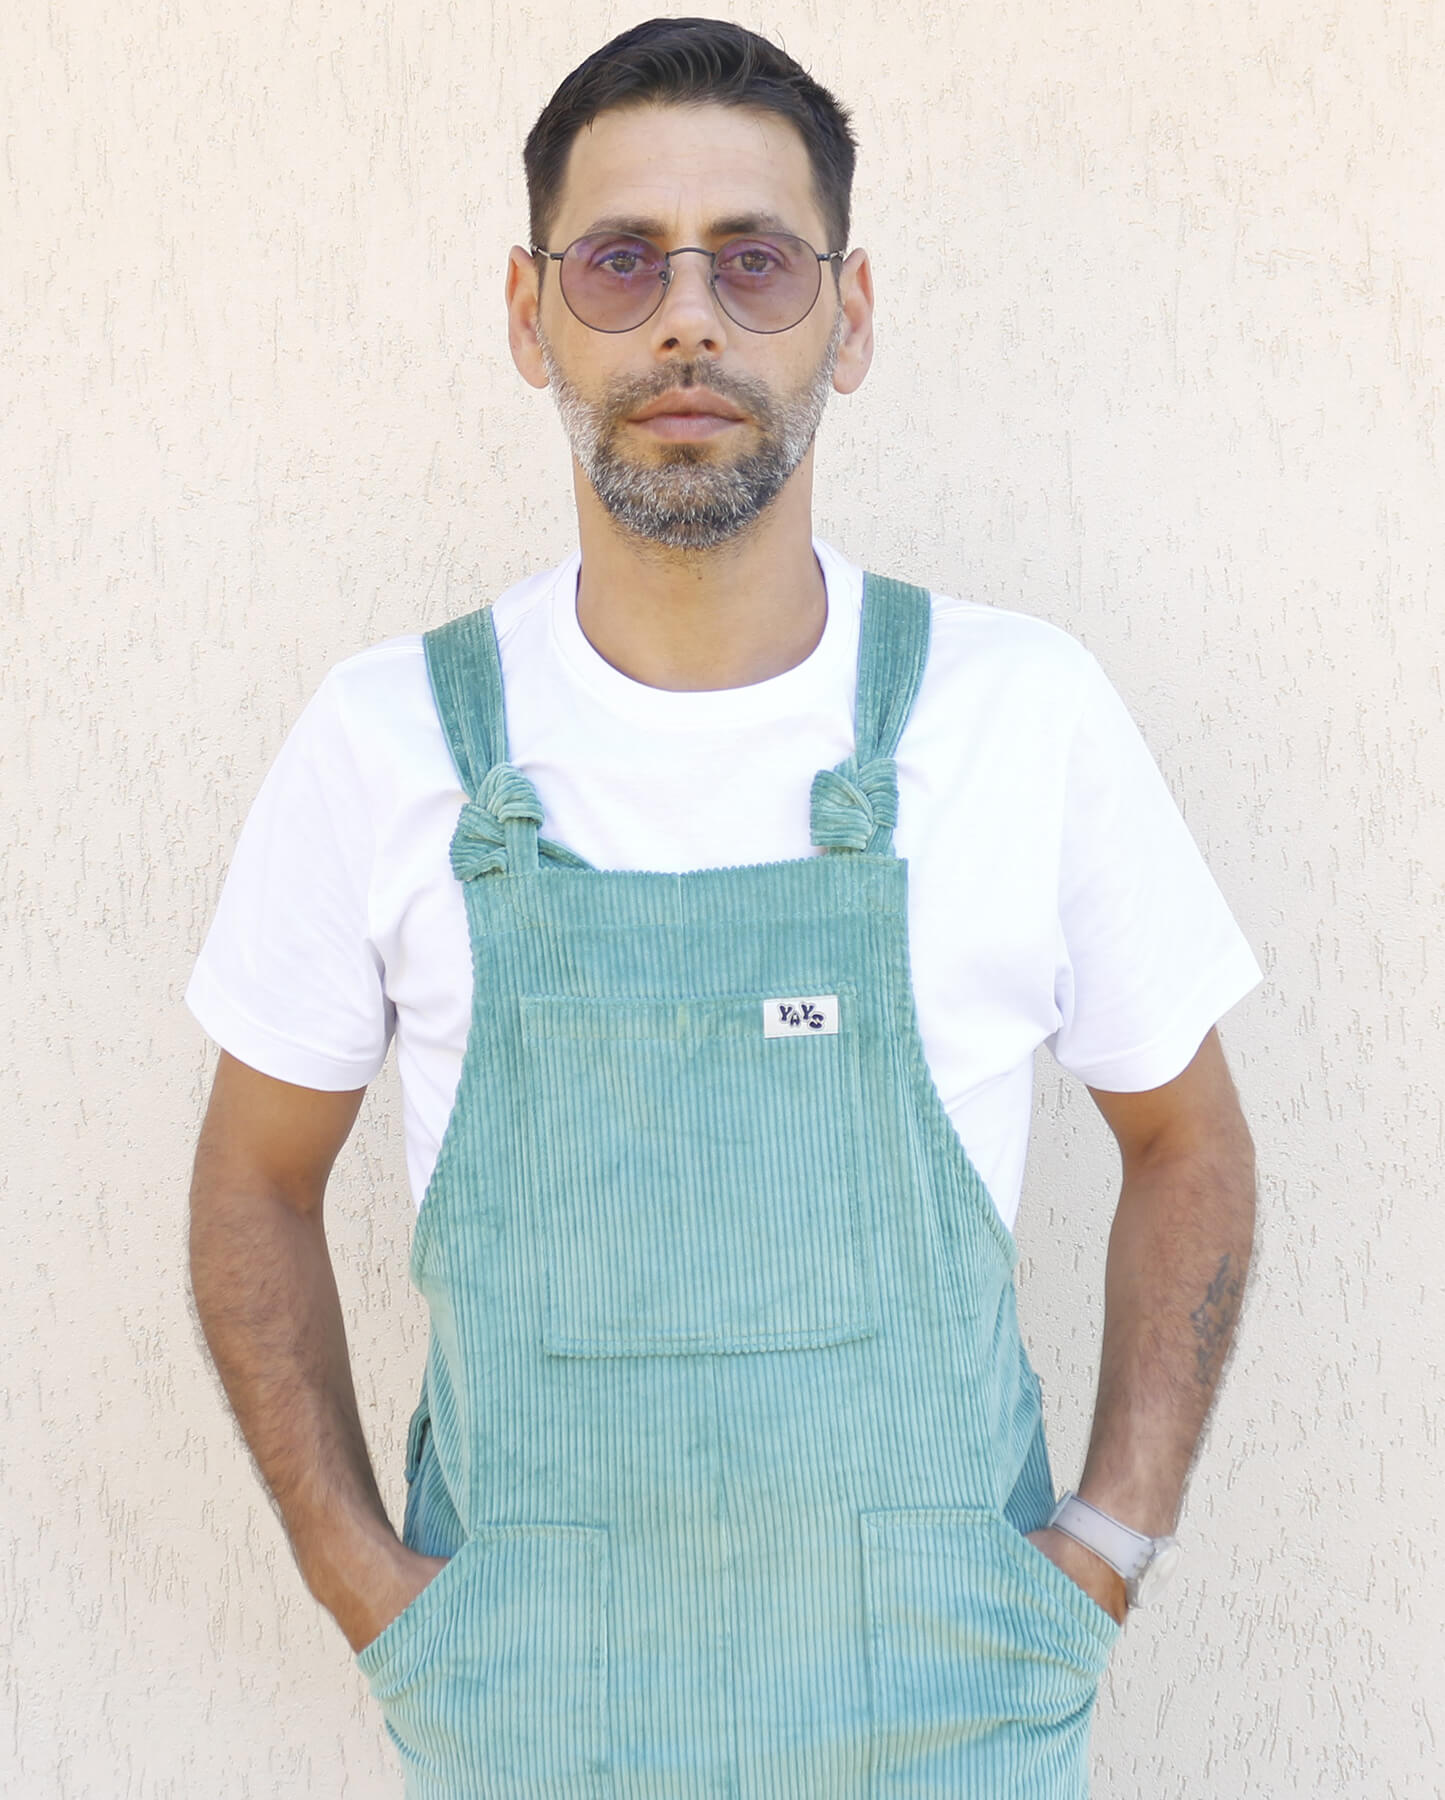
x=765, y=282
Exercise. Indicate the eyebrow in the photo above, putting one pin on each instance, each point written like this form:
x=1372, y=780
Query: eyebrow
x=736, y=225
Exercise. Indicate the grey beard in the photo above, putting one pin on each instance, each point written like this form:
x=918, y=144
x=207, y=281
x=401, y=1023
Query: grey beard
x=689, y=502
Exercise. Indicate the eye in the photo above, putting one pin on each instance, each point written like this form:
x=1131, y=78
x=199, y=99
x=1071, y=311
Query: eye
x=622, y=258
x=750, y=258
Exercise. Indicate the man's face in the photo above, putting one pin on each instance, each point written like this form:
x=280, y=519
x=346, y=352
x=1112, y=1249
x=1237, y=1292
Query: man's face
x=688, y=425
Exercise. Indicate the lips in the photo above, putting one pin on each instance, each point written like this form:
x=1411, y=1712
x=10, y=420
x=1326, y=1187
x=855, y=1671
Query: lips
x=693, y=403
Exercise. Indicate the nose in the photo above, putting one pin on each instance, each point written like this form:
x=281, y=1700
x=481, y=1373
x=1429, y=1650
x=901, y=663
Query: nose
x=689, y=320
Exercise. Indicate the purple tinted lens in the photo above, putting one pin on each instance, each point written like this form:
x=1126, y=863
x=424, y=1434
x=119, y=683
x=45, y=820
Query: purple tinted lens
x=767, y=283
x=613, y=283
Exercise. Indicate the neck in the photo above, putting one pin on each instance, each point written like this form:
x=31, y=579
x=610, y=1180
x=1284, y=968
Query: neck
x=692, y=620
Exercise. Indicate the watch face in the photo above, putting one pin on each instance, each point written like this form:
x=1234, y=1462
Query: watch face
x=1158, y=1578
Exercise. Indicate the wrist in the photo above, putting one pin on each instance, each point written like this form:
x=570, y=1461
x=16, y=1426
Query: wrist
x=345, y=1557
x=1140, y=1501
x=1144, y=1562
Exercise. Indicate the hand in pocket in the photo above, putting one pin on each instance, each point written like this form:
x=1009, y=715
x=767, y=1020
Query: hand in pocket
x=1103, y=1585
x=386, y=1593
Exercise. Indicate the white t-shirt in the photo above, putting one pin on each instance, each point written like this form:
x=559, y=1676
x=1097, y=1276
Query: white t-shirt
x=1055, y=893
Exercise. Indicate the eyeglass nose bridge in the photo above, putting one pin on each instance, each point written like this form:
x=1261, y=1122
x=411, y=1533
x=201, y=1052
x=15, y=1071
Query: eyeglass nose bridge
x=667, y=272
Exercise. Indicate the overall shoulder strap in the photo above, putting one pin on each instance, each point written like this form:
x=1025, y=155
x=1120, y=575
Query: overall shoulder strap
x=497, y=831
x=855, y=806
x=892, y=651
x=465, y=671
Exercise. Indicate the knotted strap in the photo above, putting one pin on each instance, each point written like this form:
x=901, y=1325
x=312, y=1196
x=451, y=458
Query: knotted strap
x=855, y=806
x=851, y=805
x=497, y=831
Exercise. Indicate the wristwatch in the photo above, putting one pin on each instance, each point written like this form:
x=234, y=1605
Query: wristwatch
x=1146, y=1563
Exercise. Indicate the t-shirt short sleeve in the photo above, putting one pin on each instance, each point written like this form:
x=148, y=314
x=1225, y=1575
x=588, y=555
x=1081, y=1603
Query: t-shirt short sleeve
x=289, y=980
x=1151, y=955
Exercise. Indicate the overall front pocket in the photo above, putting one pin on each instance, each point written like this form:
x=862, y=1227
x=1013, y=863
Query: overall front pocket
x=493, y=1682
x=984, y=1658
x=696, y=1179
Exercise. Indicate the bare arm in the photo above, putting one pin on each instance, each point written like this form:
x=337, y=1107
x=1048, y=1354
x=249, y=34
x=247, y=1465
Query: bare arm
x=266, y=1296
x=1178, y=1255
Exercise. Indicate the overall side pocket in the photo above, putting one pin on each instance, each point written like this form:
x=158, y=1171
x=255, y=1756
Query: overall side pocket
x=984, y=1657
x=493, y=1682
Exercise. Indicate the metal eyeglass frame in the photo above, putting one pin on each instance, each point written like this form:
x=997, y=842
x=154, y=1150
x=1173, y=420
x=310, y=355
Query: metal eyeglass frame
x=665, y=280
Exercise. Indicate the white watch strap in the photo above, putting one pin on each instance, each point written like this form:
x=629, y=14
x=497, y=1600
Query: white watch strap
x=1129, y=1552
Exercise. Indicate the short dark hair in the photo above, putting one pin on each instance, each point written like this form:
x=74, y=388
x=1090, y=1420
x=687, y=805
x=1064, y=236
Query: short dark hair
x=691, y=62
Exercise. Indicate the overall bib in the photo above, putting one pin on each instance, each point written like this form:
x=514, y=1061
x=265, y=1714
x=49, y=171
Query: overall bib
x=727, y=1426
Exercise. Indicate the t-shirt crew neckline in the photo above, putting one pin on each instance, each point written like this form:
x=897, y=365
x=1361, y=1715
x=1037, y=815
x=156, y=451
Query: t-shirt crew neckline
x=797, y=689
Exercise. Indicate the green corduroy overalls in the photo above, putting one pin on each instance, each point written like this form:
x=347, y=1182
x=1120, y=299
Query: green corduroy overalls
x=727, y=1426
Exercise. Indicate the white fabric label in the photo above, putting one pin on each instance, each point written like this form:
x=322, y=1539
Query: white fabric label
x=810, y=1015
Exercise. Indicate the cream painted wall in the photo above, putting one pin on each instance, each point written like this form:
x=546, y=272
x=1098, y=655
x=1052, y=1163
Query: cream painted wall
x=1159, y=359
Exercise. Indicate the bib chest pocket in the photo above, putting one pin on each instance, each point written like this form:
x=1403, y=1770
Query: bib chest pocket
x=697, y=1181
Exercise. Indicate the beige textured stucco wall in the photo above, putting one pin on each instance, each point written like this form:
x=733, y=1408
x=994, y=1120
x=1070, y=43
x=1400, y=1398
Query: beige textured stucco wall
x=1159, y=359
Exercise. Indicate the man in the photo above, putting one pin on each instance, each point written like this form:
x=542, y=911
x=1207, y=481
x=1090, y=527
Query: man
x=728, y=1475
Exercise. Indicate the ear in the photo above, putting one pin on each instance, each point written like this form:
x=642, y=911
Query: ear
x=523, y=300
x=855, y=296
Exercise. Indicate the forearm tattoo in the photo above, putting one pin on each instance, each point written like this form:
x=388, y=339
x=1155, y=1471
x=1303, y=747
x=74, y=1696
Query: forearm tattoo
x=1213, y=1321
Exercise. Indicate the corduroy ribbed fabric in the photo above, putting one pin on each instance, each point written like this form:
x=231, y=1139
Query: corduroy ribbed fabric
x=727, y=1426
